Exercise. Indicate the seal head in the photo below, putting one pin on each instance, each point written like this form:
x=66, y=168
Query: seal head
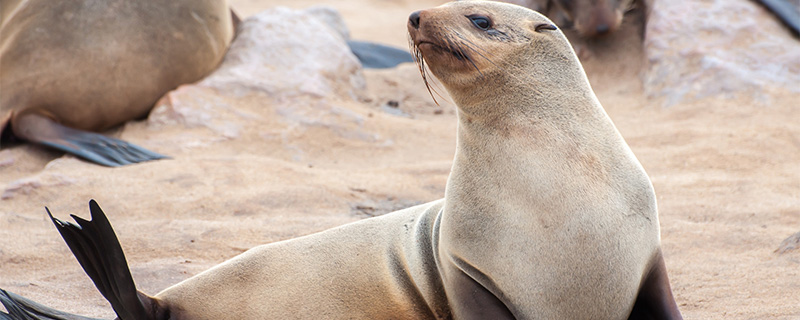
x=465, y=44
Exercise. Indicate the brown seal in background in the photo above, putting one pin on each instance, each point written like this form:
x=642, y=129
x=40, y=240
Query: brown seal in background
x=591, y=18
x=73, y=67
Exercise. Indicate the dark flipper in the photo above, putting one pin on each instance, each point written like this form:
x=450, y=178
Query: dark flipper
x=655, y=300
x=787, y=12
x=97, y=249
x=236, y=22
x=20, y=308
x=94, y=147
x=378, y=56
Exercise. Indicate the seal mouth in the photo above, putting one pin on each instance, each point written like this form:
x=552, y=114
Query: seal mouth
x=440, y=45
x=458, y=53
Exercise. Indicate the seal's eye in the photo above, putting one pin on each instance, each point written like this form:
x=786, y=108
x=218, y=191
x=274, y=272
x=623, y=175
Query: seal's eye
x=481, y=22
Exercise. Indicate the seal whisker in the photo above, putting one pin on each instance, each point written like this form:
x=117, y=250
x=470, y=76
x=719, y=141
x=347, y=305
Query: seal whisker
x=420, y=62
x=461, y=51
x=451, y=47
x=477, y=49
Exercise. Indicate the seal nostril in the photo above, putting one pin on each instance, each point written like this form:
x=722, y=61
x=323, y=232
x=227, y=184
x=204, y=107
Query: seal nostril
x=413, y=19
x=601, y=29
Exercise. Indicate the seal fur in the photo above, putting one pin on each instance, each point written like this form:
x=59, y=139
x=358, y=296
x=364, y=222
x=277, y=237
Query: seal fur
x=594, y=18
x=547, y=213
x=73, y=67
x=591, y=18
x=539, y=167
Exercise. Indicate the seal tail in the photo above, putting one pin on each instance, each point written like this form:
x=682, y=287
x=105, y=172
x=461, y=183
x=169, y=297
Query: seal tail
x=98, y=251
x=91, y=146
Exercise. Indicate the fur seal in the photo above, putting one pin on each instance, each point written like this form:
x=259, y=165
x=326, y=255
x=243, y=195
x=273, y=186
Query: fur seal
x=74, y=66
x=594, y=18
x=547, y=213
x=590, y=18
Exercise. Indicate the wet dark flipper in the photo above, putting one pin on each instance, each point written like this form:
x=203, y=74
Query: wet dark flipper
x=655, y=300
x=787, y=12
x=20, y=308
x=378, y=56
x=93, y=147
x=103, y=150
x=99, y=252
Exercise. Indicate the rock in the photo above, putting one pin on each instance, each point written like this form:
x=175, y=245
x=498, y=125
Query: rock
x=29, y=185
x=791, y=243
x=7, y=159
x=286, y=53
x=194, y=106
x=332, y=18
x=374, y=208
x=727, y=48
x=287, y=72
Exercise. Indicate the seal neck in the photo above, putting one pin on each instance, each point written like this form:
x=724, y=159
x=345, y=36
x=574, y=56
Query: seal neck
x=533, y=158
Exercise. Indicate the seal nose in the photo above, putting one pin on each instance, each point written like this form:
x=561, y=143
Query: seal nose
x=413, y=19
x=602, y=28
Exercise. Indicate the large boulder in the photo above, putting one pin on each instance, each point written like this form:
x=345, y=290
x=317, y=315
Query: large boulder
x=728, y=48
x=287, y=71
x=286, y=52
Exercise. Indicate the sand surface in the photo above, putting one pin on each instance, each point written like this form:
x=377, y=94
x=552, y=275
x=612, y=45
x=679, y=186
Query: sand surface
x=724, y=160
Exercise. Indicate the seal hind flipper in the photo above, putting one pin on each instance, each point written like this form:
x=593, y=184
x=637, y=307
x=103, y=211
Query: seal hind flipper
x=98, y=250
x=655, y=300
x=94, y=147
x=20, y=308
x=378, y=56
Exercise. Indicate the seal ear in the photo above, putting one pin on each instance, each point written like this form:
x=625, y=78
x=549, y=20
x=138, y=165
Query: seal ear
x=544, y=26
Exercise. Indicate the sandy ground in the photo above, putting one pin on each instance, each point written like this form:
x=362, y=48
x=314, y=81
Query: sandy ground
x=726, y=169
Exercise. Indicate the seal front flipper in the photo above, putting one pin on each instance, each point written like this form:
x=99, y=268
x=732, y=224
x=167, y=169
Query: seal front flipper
x=20, y=308
x=655, y=300
x=94, y=147
x=474, y=295
x=98, y=251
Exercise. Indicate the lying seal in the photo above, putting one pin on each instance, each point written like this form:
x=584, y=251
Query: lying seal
x=74, y=66
x=547, y=213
